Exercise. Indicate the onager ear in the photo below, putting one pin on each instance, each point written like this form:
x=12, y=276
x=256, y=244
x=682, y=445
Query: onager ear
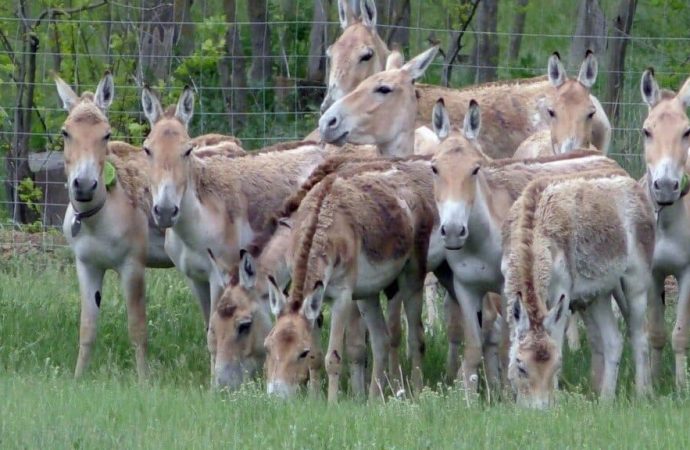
x=368, y=13
x=556, y=315
x=395, y=60
x=276, y=297
x=151, y=106
x=105, y=92
x=222, y=275
x=418, y=65
x=247, y=270
x=185, y=106
x=684, y=93
x=473, y=121
x=556, y=71
x=588, y=70
x=67, y=95
x=649, y=88
x=311, y=307
x=345, y=14
x=440, y=121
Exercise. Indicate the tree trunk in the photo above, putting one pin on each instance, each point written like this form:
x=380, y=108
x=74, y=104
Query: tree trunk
x=156, y=38
x=618, y=44
x=455, y=42
x=396, y=16
x=487, y=41
x=517, y=30
x=589, y=34
x=232, y=69
x=260, y=35
x=318, y=40
x=184, y=32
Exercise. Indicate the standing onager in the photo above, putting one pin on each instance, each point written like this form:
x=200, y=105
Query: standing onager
x=473, y=199
x=216, y=203
x=569, y=112
x=666, y=133
x=107, y=221
x=574, y=243
x=510, y=108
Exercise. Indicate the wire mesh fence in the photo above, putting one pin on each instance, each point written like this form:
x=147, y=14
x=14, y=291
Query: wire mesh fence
x=257, y=68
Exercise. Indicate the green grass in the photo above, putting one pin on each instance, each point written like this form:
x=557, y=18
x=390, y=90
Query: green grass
x=41, y=406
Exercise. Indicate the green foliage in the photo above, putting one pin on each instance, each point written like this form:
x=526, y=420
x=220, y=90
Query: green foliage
x=31, y=195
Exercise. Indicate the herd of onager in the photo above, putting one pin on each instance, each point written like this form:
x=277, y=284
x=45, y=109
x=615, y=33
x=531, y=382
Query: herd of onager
x=508, y=198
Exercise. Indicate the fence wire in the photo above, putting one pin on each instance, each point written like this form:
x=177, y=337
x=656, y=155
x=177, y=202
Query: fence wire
x=79, y=43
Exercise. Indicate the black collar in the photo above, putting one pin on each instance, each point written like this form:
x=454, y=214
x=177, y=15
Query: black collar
x=78, y=216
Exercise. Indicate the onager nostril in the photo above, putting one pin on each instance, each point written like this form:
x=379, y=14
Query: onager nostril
x=656, y=184
x=676, y=186
x=333, y=122
x=95, y=185
x=76, y=183
x=463, y=231
x=175, y=211
x=156, y=210
x=443, y=230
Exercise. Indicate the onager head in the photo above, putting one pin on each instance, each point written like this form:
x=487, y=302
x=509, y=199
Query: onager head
x=289, y=344
x=86, y=133
x=381, y=109
x=168, y=148
x=570, y=111
x=455, y=169
x=357, y=54
x=239, y=324
x=666, y=133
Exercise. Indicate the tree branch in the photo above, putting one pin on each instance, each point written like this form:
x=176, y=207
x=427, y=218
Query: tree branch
x=52, y=13
x=457, y=46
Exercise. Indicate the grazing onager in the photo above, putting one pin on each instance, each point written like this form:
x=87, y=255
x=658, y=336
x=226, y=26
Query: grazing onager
x=666, y=133
x=473, y=198
x=107, y=221
x=574, y=243
x=510, y=108
x=569, y=112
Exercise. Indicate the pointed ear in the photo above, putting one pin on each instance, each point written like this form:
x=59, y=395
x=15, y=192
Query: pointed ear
x=588, y=70
x=418, y=65
x=440, y=121
x=247, y=270
x=556, y=71
x=395, y=60
x=276, y=297
x=519, y=316
x=345, y=14
x=557, y=315
x=151, y=106
x=105, y=92
x=311, y=307
x=222, y=275
x=67, y=95
x=684, y=93
x=368, y=13
x=651, y=94
x=473, y=121
x=185, y=106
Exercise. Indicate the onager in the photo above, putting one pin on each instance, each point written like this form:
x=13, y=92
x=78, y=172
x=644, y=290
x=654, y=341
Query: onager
x=107, y=221
x=510, y=108
x=569, y=112
x=473, y=198
x=216, y=203
x=666, y=133
x=572, y=244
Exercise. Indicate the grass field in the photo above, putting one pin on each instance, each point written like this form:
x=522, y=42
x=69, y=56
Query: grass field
x=42, y=407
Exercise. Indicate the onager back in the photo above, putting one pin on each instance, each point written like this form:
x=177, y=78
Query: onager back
x=666, y=132
x=571, y=244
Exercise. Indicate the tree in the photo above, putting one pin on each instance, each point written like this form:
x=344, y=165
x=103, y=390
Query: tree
x=618, y=44
x=396, y=14
x=487, y=41
x=156, y=38
x=589, y=33
x=260, y=34
x=466, y=11
x=318, y=40
x=517, y=30
x=233, y=76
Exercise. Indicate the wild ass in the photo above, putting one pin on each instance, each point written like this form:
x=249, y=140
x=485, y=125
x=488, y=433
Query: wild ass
x=572, y=244
x=107, y=221
x=569, y=112
x=510, y=108
x=217, y=203
x=666, y=132
x=473, y=199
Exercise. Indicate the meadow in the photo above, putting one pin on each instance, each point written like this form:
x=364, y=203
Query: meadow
x=41, y=406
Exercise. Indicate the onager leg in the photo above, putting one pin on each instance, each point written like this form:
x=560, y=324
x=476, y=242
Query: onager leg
x=597, y=351
x=470, y=304
x=315, y=359
x=90, y=287
x=491, y=338
x=454, y=331
x=202, y=291
x=679, y=337
x=373, y=316
x=415, y=336
x=340, y=315
x=393, y=320
x=611, y=341
x=430, y=298
x=656, y=324
x=635, y=317
x=572, y=331
x=356, y=349
x=132, y=280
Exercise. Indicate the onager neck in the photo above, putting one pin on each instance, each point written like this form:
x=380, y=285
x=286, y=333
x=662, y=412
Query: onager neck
x=402, y=146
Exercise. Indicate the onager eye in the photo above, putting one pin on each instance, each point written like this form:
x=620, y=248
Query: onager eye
x=522, y=372
x=475, y=171
x=591, y=115
x=147, y=151
x=65, y=134
x=243, y=328
x=383, y=90
x=107, y=136
x=686, y=134
x=434, y=170
x=552, y=113
x=188, y=151
x=366, y=56
x=647, y=133
x=304, y=354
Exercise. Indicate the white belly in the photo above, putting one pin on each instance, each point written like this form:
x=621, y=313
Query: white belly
x=374, y=277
